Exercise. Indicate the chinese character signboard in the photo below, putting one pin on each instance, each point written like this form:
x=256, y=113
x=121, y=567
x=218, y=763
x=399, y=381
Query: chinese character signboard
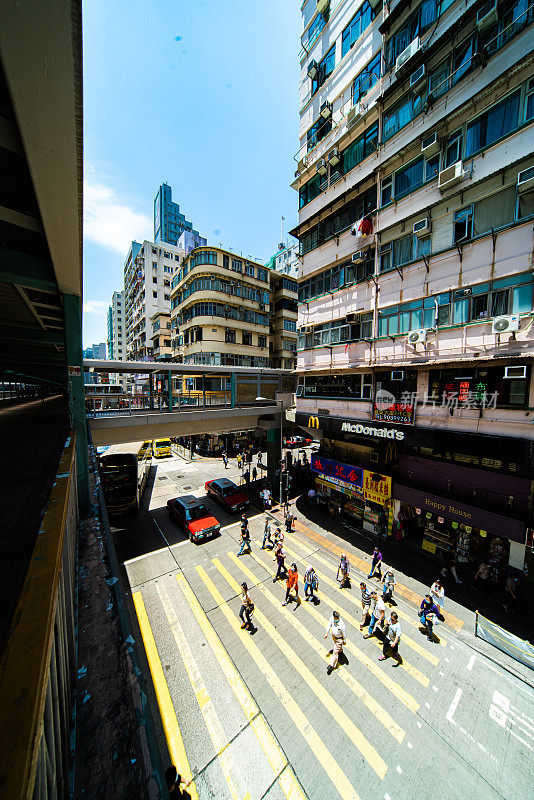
x=335, y=471
x=386, y=408
x=376, y=488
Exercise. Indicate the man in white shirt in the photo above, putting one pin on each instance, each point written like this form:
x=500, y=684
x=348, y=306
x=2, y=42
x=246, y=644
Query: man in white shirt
x=378, y=614
x=392, y=639
x=339, y=637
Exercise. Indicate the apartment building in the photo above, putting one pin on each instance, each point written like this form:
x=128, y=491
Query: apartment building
x=228, y=310
x=415, y=177
x=116, y=335
x=148, y=271
x=286, y=259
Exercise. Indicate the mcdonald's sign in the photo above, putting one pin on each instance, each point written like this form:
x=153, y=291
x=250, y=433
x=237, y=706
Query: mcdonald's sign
x=313, y=422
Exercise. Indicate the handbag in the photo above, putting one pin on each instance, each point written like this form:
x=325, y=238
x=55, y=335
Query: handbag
x=250, y=607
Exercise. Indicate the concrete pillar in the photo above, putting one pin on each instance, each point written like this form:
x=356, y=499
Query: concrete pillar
x=150, y=395
x=274, y=456
x=232, y=390
x=169, y=387
x=73, y=352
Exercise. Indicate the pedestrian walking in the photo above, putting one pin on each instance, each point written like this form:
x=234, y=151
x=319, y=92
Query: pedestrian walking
x=281, y=559
x=245, y=536
x=174, y=785
x=366, y=604
x=247, y=477
x=225, y=459
x=438, y=594
x=388, y=586
x=254, y=474
x=376, y=564
x=343, y=571
x=392, y=639
x=266, y=533
x=247, y=607
x=312, y=494
x=292, y=583
x=428, y=615
x=290, y=519
x=339, y=636
x=311, y=583
x=378, y=614
x=239, y=460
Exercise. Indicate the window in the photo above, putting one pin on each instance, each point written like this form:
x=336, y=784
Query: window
x=318, y=131
x=386, y=193
x=166, y=297
x=463, y=225
x=166, y=342
x=291, y=286
x=419, y=21
x=359, y=149
x=348, y=387
x=247, y=338
x=401, y=114
x=262, y=341
x=480, y=386
x=402, y=251
x=154, y=294
x=154, y=265
x=237, y=265
x=289, y=344
x=409, y=178
x=494, y=124
x=226, y=262
x=339, y=221
x=315, y=28
x=366, y=79
x=203, y=257
x=514, y=16
x=463, y=60
x=494, y=212
x=453, y=150
x=154, y=279
x=263, y=275
x=310, y=190
x=325, y=69
x=363, y=17
x=438, y=81
x=289, y=325
x=249, y=270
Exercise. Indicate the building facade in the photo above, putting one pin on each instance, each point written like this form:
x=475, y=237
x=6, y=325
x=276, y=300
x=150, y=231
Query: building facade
x=161, y=336
x=415, y=177
x=169, y=222
x=148, y=271
x=116, y=335
x=227, y=310
x=286, y=260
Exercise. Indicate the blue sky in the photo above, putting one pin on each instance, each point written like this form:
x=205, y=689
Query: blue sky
x=201, y=94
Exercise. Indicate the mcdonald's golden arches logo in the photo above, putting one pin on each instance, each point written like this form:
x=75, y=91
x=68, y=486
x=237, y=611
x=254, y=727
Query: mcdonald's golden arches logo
x=313, y=422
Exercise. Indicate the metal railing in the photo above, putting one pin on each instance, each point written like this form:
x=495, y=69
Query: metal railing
x=128, y=405
x=39, y=658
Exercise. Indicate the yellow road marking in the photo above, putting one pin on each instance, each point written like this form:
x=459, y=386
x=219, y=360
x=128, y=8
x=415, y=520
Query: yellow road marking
x=311, y=737
x=410, y=642
x=279, y=764
x=229, y=768
x=404, y=696
x=414, y=672
x=374, y=707
x=168, y=716
x=353, y=732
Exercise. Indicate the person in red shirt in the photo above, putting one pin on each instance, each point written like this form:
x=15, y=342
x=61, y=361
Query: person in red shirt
x=292, y=583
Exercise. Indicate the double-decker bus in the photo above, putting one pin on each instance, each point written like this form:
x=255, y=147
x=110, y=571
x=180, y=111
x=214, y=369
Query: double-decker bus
x=124, y=472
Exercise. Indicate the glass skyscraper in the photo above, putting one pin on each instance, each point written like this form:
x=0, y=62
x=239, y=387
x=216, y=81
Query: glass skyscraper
x=169, y=223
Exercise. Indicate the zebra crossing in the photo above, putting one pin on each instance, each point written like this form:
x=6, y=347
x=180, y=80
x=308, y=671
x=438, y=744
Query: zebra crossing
x=251, y=716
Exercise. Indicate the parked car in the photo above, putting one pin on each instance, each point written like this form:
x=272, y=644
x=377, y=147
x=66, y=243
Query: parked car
x=227, y=494
x=297, y=441
x=193, y=516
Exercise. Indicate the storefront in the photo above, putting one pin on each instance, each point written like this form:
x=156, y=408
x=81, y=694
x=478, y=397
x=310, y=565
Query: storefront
x=364, y=497
x=456, y=532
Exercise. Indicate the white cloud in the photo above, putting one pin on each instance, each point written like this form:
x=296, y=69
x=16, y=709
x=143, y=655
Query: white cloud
x=98, y=307
x=109, y=220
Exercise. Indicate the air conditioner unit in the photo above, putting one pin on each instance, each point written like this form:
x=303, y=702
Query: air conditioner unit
x=322, y=5
x=397, y=375
x=351, y=317
x=515, y=372
x=334, y=157
x=326, y=110
x=408, y=54
x=430, y=145
x=354, y=114
x=421, y=228
x=415, y=337
x=417, y=78
x=358, y=257
x=487, y=15
x=450, y=176
x=525, y=181
x=321, y=167
x=506, y=324
x=302, y=164
x=313, y=69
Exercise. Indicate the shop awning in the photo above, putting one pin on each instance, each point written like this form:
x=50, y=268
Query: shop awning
x=446, y=507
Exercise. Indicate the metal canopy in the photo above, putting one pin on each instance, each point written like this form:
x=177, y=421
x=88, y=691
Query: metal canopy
x=101, y=365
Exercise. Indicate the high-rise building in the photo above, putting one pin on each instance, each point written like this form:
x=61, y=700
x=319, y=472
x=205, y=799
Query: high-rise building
x=227, y=310
x=116, y=334
x=95, y=351
x=416, y=201
x=148, y=271
x=169, y=223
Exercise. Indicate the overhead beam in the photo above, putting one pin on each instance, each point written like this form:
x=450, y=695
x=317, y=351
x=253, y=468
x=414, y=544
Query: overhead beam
x=20, y=334
x=26, y=270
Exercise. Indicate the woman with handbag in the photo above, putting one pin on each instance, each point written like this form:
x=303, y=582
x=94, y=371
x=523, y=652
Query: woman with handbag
x=247, y=607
